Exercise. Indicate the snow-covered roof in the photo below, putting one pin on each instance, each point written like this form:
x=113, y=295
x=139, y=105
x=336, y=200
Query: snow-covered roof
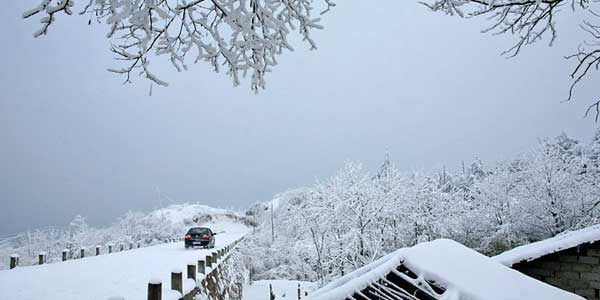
x=462, y=272
x=558, y=243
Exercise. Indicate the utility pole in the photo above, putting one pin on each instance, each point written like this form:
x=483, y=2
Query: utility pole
x=272, y=225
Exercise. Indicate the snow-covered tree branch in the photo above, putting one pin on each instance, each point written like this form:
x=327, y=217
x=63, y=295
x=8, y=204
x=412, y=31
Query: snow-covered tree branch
x=242, y=36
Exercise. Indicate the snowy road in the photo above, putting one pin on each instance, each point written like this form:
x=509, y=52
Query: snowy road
x=124, y=274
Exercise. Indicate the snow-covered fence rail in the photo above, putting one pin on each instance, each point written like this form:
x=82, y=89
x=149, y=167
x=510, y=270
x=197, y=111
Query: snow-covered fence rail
x=66, y=254
x=213, y=277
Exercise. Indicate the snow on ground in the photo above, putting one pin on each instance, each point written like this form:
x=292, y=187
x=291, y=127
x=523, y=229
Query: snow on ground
x=124, y=274
x=283, y=289
x=558, y=243
x=465, y=273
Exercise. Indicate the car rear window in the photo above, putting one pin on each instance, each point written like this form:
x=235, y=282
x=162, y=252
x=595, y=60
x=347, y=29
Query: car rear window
x=198, y=231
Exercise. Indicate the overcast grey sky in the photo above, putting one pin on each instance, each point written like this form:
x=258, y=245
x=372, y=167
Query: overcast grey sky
x=430, y=89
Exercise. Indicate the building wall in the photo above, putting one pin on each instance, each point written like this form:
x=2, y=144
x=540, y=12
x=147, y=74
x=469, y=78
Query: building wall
x=576, y=270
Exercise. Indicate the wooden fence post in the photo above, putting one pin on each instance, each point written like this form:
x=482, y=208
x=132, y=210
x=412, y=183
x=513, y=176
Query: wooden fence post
x=209, y=261
x=65, y=252
x=154, y=290
x=299, y=297
x=191, y=271
x=97, y=250
x=41, y=258
x=201, y=267
x=139, y=244
x=271, y=295
x=82, y=254
x=177, y=281
x=121, y=248
x=110, y=248
x=14, y=261
x=130, y=245
x=214, y=257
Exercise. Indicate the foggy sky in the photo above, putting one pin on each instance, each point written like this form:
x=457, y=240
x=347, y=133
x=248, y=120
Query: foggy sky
x=429, y=89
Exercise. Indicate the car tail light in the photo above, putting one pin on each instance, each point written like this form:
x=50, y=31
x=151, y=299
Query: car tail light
x=205, y=236
x=187, y=237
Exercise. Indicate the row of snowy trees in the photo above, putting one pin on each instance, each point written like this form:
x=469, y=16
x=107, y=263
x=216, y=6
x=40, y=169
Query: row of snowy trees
x=131, y=228
x=332, y=227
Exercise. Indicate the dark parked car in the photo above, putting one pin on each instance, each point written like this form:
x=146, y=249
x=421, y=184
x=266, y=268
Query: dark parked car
x=199, y=237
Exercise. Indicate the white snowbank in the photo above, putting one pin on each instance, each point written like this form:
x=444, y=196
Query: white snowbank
x=283, y=289
x=465, y=273
x=558, y=243
x=188, y=285
x=171, y=295
x=125, y=274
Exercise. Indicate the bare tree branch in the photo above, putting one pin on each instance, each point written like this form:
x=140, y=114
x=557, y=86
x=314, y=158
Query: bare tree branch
x=531, y=21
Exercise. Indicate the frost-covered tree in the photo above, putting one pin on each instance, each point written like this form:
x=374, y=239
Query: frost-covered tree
x=242, y=36
x=78, y=225
x=557, y=196
x=532, y=21
x=496, y=209
x=334, y=226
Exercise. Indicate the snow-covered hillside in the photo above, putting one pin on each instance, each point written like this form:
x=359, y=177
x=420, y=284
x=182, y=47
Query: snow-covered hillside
x=134, y=227
x=125, y=274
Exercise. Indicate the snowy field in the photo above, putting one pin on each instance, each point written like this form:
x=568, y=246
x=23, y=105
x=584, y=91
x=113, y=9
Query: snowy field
x=283, y=289
x=124, y=274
